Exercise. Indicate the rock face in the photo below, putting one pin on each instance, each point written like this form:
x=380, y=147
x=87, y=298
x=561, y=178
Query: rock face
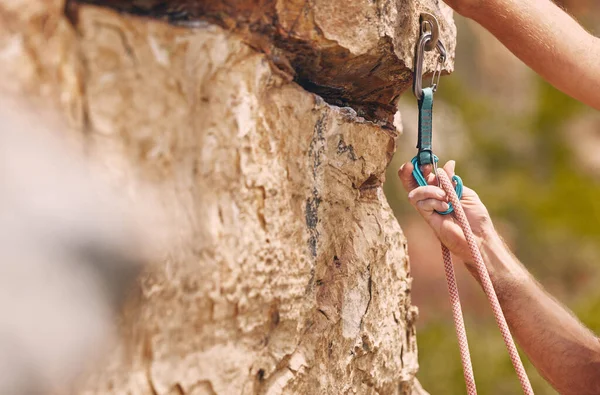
x=290, y=273
x=351, y=53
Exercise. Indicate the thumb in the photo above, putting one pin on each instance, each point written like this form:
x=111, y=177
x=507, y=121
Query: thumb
x=449, y=168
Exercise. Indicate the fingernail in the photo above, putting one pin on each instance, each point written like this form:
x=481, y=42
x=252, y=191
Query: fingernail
x=446, y=206
x=441, y=193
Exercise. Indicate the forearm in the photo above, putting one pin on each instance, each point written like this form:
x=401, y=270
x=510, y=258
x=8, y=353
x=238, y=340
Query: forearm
x=565, y=352
x=548, y=40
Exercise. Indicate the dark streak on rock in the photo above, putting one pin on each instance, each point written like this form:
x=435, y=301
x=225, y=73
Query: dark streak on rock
x=312, y=219
x=317, y=145
x=312, y=210
x=402, y=355
x=343, y=148
x=322, y=312
x=337, y=262
x=370, y=288
x=316, y=150
x=275, y=317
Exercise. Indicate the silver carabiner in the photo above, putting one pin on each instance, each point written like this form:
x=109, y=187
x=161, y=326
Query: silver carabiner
x=428, y=40
x=420, y=55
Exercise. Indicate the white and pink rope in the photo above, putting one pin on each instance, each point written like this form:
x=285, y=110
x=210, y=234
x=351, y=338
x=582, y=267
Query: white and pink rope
x=488, y=288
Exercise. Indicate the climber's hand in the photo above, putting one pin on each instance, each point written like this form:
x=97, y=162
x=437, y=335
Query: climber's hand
x=429, y=199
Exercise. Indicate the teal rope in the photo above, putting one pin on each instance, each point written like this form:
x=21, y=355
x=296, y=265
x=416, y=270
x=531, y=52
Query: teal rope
x=418, y=175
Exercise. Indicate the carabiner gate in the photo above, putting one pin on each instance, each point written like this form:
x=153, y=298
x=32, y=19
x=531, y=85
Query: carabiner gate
x=439, y=66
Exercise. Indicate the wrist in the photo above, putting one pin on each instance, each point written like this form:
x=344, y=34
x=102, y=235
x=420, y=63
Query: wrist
x=503, y=267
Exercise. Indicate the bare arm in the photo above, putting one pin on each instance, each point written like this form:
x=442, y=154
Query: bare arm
x=546, y=38
x=563, y=350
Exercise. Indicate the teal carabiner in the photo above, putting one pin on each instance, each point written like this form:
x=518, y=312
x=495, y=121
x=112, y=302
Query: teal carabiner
x=425, y=154
x=418, y=175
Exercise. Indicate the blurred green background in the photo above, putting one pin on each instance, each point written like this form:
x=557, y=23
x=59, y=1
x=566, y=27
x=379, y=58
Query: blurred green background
x=533, y=155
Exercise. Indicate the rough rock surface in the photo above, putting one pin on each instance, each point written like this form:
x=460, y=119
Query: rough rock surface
x=290, y=273
x=352, y=53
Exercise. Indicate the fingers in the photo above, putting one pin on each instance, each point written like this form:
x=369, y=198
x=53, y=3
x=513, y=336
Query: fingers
x=408, y=181
x=427, y=171
x=470, y=193
x=429, y=206
x=405, y=174
x=427, y=192
x=428, y=199
x=470, y=196
x=449, y=168
x=428, y=174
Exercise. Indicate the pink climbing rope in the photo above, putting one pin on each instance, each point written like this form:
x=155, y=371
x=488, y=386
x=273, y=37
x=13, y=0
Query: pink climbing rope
x=488, y=288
